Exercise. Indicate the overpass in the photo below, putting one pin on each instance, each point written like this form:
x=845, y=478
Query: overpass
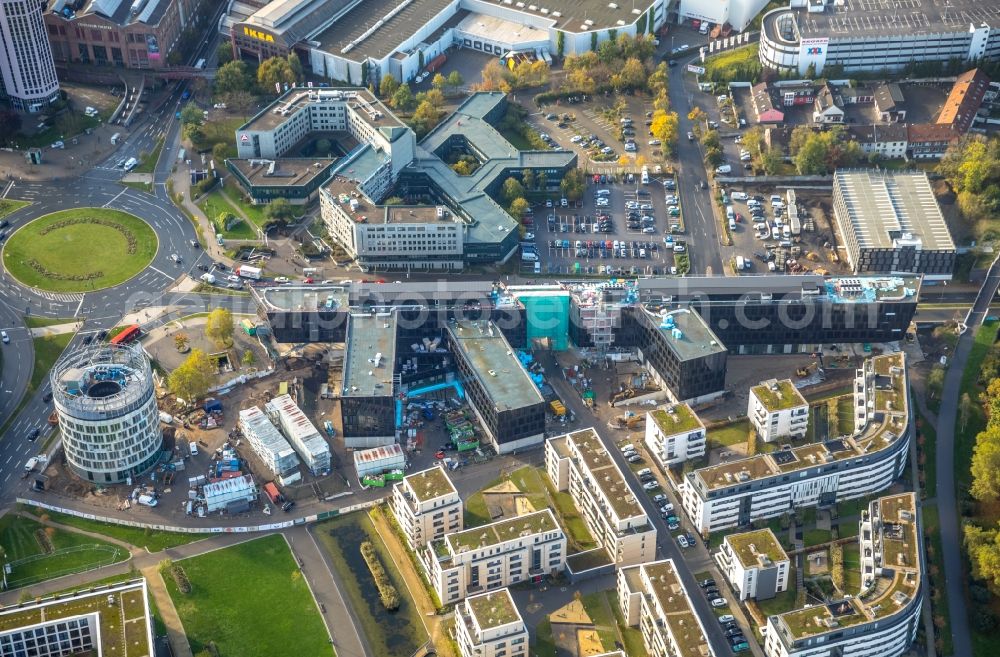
x=181, y=73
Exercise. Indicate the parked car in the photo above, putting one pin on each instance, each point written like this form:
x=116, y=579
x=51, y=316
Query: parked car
x=719, y=602
x=706, y=582
x=682, y=541
x=728, y=618
x=651, y=485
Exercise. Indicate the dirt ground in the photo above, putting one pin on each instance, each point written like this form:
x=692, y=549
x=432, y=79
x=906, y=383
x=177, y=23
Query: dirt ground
x=162, y=347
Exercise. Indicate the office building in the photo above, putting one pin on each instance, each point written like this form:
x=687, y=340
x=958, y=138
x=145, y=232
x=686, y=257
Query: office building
x=755, y=564
x=108, y=418
x=778, y=410
x=653, y=597
x=26, y=67
x=870, y=37
x=737, y=492
x=891, y=223
x=267, y=442
x=579, y=463
x=881, y=619
x=367, y=401
x=489, y=625
x=494, y=556
x=301, y=433
x=139, y=34
x=503, y=396
x=427, y=506
x=85, y=622
x=674, y=434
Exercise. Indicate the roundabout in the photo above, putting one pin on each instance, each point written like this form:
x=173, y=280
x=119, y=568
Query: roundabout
x=80, y=250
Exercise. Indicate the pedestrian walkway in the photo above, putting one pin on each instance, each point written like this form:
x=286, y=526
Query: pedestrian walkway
x=56, y=329
x=168, y=613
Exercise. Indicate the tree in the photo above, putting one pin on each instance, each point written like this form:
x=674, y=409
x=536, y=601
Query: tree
x=234, y=76
x=248, y=358
x=986, y=465
x=543, y=181
x=388, y=86
x=439, y=81
x=753, y=140
x=665, y=127
x=219, y=326
x=560, y=44
x=455, y=80
x=224, y=53
x=323, y=146
x=593, y=41
x=633, y=73
x=983, y=547
x=10, y=125
x=518, y=207
x=219, y=152
x=402, y=99
x=512, y=189
x=276, y=71
x=181, y=342
x=573, y=184
x=192, y=378
x=240, y=101
x=935, y=382
x=279, y=212
x=393, y=200
x=191, y=115
x=426, y=115
x=770, y=161
x=528, y=178
x=495, y=77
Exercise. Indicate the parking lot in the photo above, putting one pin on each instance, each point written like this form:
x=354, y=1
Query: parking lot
x=619, y=228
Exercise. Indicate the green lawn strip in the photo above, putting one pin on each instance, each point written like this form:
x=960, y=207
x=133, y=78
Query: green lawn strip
x=734, y=433
x=255, y=213
x=476, y=513
x=545, y=643
x=80, y=257
x=34, y=321
x=631, y=636
x=928, y=454
x=965, y=437
x=597, y=607
x=148, y=163
x=733, y=64
x=356, y=582
x=8, y=206
x=150, y=539
x=852, y=568
x=18, y=539
x=935, y=574
x=47, y=352
x=828, y=394
x=213, y=204
x=249, y=600
x=218, y=131
x=816, y=537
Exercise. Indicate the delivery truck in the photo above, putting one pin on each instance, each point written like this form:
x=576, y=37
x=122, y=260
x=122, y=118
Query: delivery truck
x=246, y=271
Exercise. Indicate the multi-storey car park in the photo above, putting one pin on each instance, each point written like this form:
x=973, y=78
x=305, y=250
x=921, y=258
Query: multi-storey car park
x=106, y=620
x=360, y=42
x=891, y=222
x=858, y=36
x=880, y=620
x=735, y=493
x=108, y=418
x=579, y=462
x=489, y=625
x=495, y=556
x=427, y=506
x=653, y=597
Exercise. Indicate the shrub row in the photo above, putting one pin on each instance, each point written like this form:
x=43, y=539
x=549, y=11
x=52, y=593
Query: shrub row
x=387, y=592
x=44, y=542
x=43, y=271
x=133, y=243
x=180, y=578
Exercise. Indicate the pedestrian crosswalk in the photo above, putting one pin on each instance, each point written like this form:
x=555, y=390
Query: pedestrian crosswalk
x=56, y=296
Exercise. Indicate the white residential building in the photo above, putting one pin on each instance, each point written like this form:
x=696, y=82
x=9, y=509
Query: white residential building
x=427, y=506
x=737, y=492
x=755, y=564
x=489, y=625
x=653, y=597
x=301, y=433
x=674, y=434
x=778, y=410
x=495, y=556
x=578, y=462
x=267, y=442
x=880, y=620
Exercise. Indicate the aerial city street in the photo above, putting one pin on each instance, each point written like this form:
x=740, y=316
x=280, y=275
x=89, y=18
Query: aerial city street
x=495, y=329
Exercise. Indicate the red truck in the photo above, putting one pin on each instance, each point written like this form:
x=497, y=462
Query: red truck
x=272, y=493
x=436, y=63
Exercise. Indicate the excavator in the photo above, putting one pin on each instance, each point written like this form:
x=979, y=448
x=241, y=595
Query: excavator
x=627, y=421
x=803, y=372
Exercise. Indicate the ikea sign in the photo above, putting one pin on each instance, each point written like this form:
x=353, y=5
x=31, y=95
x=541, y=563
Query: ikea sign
x=257, y=34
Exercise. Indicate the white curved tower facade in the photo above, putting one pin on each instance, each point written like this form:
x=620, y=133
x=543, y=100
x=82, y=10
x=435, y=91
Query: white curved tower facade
x=26, y=66
x=108, y=417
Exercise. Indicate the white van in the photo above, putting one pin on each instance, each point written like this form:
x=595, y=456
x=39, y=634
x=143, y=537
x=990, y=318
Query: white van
x=732, y=223
x=131, y=163
x=603, y=192
x=739, y=196
x=538, y=267
x=115, y=137
x=730, y=213
x=147, y=500
x=193, y=447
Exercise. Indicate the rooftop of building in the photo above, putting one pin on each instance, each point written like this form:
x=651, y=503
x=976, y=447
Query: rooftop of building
x=922, y=133
x=430, y=484
x=676, y=418
x=687, y=334
x=302, y=298
x=495, y=364
x=606, y=474
x=121, y=12
x=369, y=108
x=887, y=421
x=283, y=172
x=964, y=99
x=853, y=289
x=750, y=547
x=492, y=610
x=678, y=613
x=778, y=395
x=376, y=28
x=860, y=20
x=888, y=209
x=413, y=214
x=265, y=431
x=122, y=608
x=539, y=522
x=370, y=355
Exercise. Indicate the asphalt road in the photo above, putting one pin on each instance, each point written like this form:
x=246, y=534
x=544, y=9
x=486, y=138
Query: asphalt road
x=951, y=537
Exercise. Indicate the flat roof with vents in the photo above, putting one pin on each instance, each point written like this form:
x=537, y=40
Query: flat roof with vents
x=690, y=337
x=370, y=355
x=493, y=610
x=605, y=474
x=749, y=547
x=430, y=484
x=495, y=363
x=539, y=522
x=678, y=614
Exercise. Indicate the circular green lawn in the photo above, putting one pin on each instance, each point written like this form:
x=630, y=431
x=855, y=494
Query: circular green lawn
x=79, y=250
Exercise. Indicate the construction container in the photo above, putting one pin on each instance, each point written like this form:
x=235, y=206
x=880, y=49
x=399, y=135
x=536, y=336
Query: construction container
x=379, y=460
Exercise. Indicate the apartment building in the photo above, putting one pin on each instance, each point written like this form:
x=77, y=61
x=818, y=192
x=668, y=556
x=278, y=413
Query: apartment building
x=495, y=556
x=489, y=625
x=735, y=493
x=755, y=564
x=579, y=463
x=778, y=410
x=652, y=596
x=427, y=506
x=880, y=620
x=301, y=433
x=674, y=434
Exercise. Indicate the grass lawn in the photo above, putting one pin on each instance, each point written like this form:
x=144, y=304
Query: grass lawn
x=829, y=394
x=47, y=352
x=218, y=130
x=738, y=63
x=845, y=416
x=782, y=602
x=816, y=537
x=18, y=539
x=232, y=191
x=148, y=163
x=852, y=568
x=545, y=644
x=101, y=248
x=965, y=440
x=734, y=433
x=151, y=540
x=935, y=571
x=476, y=513
x=213, y=204
x=249, y=599
x=596, y=605
x=7, y=206
x=66, y=126
x=928, y=452
x=34, y=321
x=140, y=186
x=631, y=636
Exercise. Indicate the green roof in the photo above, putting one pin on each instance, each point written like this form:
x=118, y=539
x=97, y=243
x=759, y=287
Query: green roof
x=493, y=609
x=818, y=619
x=504, y=530
x=778, y=395
x=749, y=545
x=430, y=484
x=605, y=474
x=678, y=613
x=678, y=418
